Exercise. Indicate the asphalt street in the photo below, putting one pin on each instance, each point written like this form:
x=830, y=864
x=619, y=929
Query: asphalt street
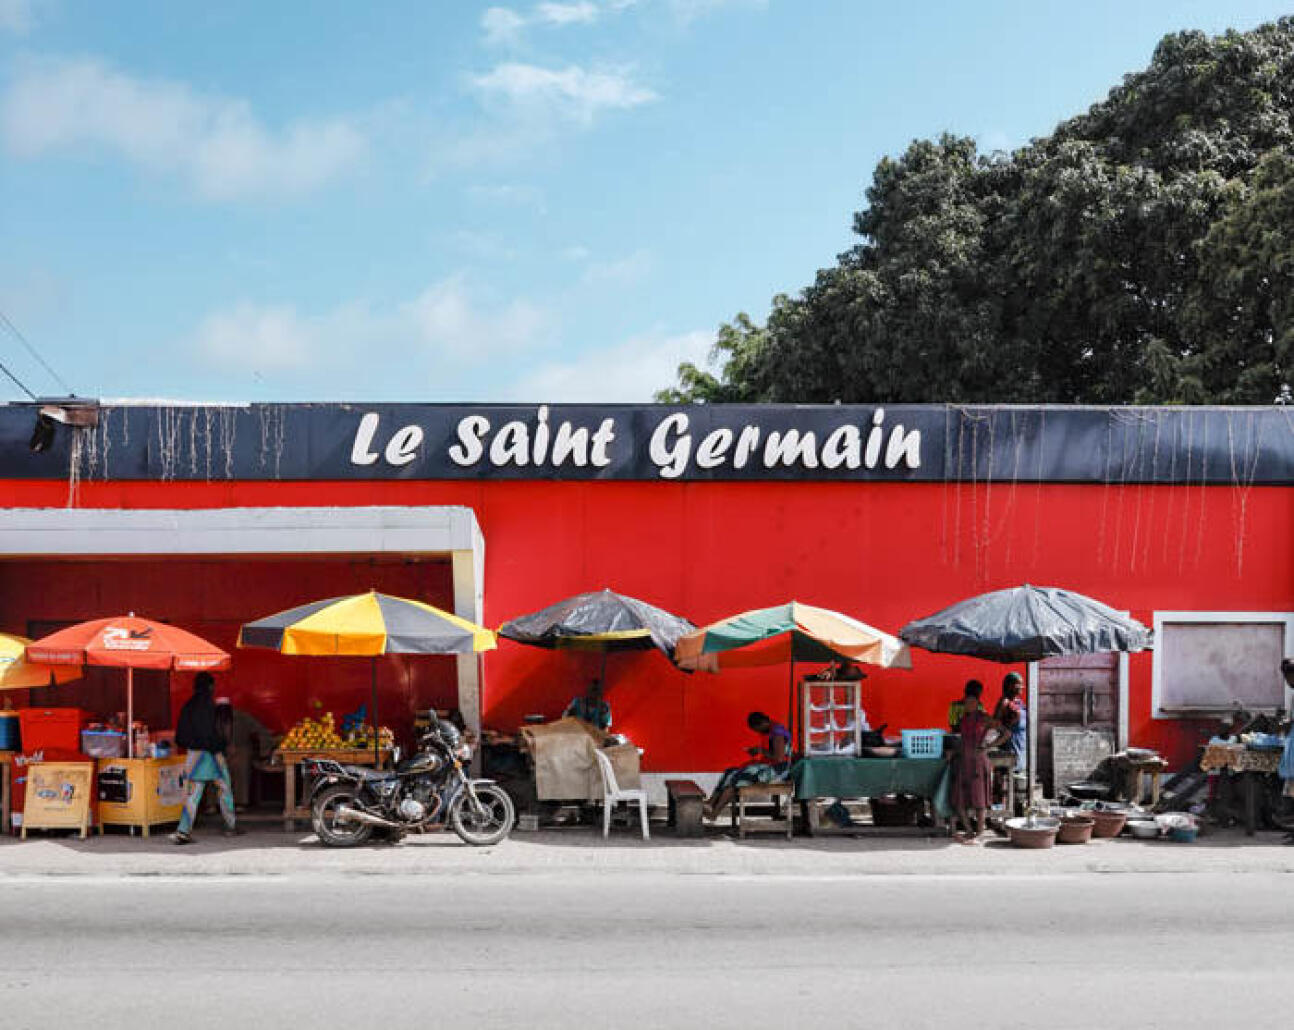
x=650, y=950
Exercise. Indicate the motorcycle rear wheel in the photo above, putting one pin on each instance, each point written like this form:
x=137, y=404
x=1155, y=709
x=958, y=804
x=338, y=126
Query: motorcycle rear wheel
x=488, y=826
x=323, y=816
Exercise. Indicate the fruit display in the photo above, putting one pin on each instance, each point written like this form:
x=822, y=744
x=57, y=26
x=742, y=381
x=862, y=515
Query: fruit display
x=313, y=735
x=361, y=737
x=321, y=735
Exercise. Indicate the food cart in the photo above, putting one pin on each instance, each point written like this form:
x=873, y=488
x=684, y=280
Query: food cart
x=140, y=792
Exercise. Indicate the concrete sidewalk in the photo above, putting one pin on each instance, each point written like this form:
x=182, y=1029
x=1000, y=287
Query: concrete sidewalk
x=268, y=853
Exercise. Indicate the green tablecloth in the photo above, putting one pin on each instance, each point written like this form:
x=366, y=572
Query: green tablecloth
x=873, y=777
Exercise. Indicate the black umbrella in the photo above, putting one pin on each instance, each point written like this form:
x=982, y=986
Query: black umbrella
x=601, y=621
x=1027, y=624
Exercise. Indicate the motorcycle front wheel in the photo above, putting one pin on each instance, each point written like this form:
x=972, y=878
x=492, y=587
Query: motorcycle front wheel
x=489, y=823
x=323, y=816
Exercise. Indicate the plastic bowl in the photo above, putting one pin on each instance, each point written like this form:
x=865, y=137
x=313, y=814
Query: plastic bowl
x=1075, y=829
x=1184, y=834
x=1036, y=833
x=1108, y=824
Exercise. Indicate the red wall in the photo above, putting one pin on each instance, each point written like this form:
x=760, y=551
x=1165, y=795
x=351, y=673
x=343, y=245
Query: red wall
x=884, y=552
x=213, y=598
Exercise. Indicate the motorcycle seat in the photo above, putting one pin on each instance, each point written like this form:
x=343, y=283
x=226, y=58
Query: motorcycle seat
x=370, y=775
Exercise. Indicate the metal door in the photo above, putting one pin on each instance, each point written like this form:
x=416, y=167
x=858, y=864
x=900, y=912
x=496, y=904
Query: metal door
x=1079, y=691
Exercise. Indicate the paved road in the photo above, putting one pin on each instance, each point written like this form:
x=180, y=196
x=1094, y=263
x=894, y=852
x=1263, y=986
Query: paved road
x=648, y=951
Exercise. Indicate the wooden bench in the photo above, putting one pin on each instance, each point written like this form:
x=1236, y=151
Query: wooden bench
x=779, y=795
x=686, y=802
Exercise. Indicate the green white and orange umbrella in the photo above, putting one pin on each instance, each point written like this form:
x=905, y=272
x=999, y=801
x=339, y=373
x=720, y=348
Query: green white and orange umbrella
x=788, y=633
x=793, y=632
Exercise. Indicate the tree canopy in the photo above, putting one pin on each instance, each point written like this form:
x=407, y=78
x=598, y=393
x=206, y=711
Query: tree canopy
x=1141, y=253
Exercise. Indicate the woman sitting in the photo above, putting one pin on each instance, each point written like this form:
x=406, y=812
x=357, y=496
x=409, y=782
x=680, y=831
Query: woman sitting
x=771, y=763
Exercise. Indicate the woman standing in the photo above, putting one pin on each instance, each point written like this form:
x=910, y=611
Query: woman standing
x=1011, y=714
x=972, y=775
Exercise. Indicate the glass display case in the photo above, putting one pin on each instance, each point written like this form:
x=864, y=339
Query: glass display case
x=831, y=718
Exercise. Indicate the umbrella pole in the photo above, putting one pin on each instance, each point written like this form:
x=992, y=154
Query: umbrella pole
x=377, y=732
x=790, y=705
x=1031, y=732
x=130, y=712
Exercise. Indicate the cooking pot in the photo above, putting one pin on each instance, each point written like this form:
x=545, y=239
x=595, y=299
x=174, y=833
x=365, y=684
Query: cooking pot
x=874, y=738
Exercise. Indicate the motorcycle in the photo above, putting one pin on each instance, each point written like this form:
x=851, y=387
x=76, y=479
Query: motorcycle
x=427, y=791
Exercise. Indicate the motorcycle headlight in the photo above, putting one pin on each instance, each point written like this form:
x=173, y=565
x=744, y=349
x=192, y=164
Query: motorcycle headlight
x=463, y=752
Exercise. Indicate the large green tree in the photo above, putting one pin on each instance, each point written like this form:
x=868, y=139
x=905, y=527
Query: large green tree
x=1143, y=252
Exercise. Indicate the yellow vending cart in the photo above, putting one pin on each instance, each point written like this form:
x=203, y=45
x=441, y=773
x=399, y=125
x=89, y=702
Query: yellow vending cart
x=140, y=792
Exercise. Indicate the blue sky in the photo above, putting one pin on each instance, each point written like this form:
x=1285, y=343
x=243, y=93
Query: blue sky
x=450, y=201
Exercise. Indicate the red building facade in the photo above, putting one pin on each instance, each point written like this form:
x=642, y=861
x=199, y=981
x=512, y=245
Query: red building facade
x=208, y=517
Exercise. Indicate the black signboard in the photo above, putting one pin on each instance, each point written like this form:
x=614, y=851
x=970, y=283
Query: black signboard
x=659, y=443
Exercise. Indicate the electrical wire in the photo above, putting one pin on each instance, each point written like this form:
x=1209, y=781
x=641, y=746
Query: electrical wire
x=4, y=320
x=18, y=382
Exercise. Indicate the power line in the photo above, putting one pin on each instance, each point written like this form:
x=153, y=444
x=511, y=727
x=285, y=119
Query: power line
x=4, y=320
x=5, y=369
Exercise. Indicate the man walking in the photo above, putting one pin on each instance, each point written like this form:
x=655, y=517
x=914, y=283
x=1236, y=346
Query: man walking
x=199, y=733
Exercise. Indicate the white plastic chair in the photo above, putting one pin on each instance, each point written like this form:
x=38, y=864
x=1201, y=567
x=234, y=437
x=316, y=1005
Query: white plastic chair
x=613, y=794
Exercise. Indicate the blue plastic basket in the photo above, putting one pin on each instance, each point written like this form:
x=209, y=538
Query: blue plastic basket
x=923, y=743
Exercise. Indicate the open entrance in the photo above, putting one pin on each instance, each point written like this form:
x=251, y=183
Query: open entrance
x=209, y=571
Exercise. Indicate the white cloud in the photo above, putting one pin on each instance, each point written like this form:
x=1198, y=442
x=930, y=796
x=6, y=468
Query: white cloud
x=16, y=16
x=266, y=338
x=626, y=372
x=526, y=107
x=502, y=26
x=505, y=26
x=572, y=94
x=217, y=144
x=449, y=324
x=447, y=320
x=567, y=13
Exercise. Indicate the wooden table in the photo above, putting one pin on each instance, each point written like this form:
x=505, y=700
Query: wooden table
x=291, y=759
x=1247, y=768
x=1136, y=773
x=840, y=778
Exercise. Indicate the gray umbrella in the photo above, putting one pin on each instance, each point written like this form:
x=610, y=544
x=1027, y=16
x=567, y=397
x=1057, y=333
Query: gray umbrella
x=600, y=620
x=1027, y=624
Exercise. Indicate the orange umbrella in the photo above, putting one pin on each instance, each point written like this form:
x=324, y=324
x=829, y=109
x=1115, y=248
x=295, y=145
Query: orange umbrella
x=128, y=642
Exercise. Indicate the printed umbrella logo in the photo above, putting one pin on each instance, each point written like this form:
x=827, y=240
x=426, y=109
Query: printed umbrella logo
x=122, y=638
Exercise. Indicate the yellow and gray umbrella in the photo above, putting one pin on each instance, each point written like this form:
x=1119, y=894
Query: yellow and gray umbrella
x=17, y=673
x=366, y=625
